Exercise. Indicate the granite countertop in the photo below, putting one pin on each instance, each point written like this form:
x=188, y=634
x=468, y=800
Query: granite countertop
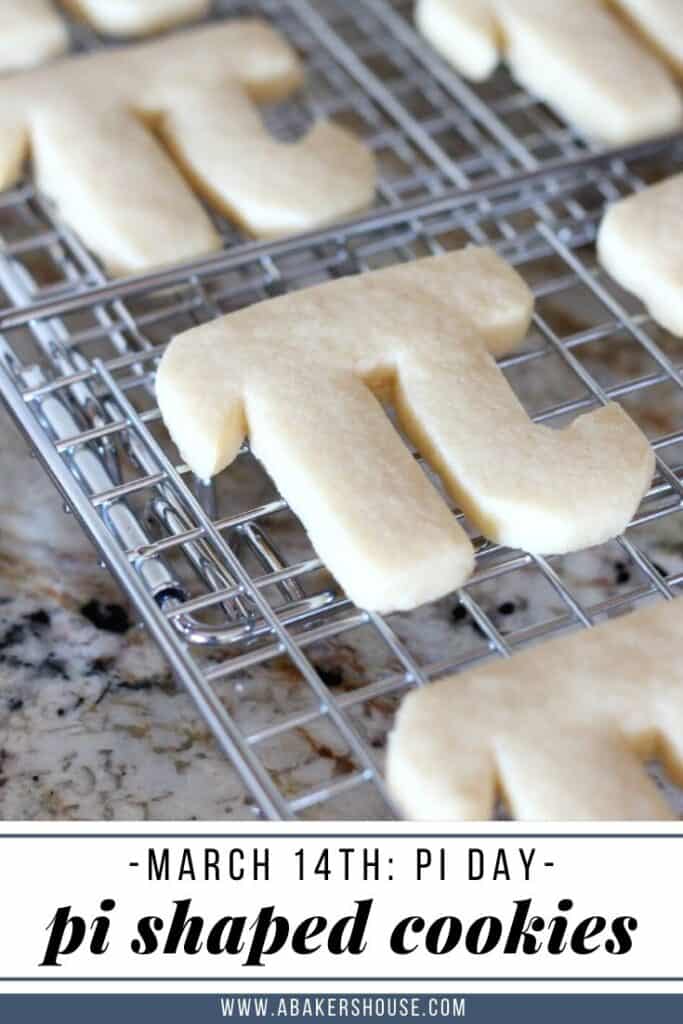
x=93, y=726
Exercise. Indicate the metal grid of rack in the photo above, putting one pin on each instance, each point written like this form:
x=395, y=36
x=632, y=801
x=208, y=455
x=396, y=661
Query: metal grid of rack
x=224, y=577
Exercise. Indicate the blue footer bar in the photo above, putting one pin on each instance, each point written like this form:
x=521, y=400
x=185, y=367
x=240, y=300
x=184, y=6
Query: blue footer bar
x=482, y=1009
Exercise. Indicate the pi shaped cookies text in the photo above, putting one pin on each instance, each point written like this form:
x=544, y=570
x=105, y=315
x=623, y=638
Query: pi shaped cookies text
x=561, y=731
x=114, y=137
x=303, y=376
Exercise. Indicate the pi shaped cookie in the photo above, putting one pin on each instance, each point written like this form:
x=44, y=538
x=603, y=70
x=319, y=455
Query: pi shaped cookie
x=93, y=125
x=31, y=32
x=561, y=731
x=640, y=243
x=137, y=17
x=574, y=54
x=661, y=22
x=302, y=375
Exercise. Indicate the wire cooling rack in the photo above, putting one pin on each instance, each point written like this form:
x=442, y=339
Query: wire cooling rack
x=224, y=577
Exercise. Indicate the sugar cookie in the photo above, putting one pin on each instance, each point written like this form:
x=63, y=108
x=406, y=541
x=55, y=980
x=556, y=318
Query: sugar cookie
x=561, y=730
x=32, y=32
x=573, y=54
x=661, y=22
x=86, y=121
x=464, y=32
x=640, y=243
x=137, y=17
x=297, y=373
x=578, y=58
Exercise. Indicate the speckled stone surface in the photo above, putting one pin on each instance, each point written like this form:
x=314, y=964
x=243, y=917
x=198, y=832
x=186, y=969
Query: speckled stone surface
x=93, y=726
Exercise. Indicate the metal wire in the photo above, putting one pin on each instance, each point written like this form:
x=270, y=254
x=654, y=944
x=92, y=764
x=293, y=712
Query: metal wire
x=225, y=579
